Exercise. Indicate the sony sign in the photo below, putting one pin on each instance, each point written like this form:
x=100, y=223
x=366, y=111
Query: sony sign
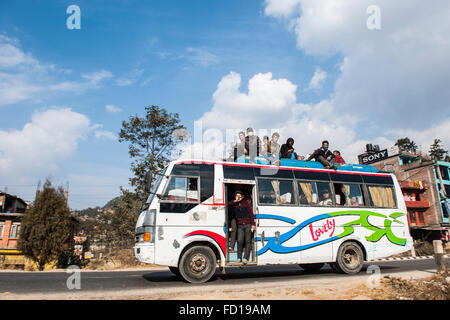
x=374, y=157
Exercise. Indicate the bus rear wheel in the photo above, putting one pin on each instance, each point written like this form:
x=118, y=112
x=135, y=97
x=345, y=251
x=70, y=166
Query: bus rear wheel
x=350, y=258
x=198, y=264
x=312, y=267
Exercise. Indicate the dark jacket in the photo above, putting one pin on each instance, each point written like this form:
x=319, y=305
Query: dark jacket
x=320, y=152
x=243, y=212
x=253, y=144
x=285, y=154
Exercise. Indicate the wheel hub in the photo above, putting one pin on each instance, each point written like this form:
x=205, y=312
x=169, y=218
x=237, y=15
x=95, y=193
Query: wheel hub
x=198, y=263
x=350, y=258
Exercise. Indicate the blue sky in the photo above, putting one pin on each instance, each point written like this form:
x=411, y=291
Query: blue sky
x=176, y=54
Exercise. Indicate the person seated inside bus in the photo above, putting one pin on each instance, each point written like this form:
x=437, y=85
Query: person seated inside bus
x=325, y=199
x=245, y=220
x=324, y=156
x=269, y=198
x=287, y=150
x=354, y=202
x=302, y=199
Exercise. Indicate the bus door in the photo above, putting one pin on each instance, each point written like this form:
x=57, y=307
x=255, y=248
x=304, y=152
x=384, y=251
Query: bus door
x=248, y=189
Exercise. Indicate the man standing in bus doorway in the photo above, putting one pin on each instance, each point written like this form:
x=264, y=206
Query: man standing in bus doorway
x=243, y=212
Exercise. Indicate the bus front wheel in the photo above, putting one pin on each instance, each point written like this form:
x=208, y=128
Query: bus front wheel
x=198, y=264
x=350, y=258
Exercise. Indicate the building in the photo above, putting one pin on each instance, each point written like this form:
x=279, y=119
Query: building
x=12, y=210
x=417, y=174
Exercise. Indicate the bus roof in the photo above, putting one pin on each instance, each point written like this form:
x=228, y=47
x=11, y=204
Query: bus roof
x=301, y=166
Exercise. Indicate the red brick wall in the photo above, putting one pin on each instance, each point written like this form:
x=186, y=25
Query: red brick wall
x=417, y=171
x=6, y=242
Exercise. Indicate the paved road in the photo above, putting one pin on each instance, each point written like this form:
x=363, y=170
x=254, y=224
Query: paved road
x=55, y=282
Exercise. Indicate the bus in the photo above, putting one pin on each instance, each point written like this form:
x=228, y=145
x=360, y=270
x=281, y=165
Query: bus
x=304, y=215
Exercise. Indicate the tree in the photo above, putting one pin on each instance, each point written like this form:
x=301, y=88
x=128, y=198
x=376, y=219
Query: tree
x=121, y=223
x=150, y=142
x=47, y=226
x=437, y=152
x=405, y=144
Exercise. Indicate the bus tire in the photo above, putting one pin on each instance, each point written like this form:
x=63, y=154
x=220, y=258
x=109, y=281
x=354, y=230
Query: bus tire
x=350, y=258
x=198, y=264
x=312, y=267
x=335, y=267
x=175, y=271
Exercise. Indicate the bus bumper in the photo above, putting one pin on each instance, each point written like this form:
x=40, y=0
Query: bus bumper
x=144, y=252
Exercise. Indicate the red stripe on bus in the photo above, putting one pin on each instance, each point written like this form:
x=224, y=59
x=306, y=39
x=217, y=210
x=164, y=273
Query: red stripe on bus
x=216, y=237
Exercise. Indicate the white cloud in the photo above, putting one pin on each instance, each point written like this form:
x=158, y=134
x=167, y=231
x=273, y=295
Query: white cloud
x=113, y=109
x=97, y=76
x=281, y=8
x=100, y=134
x=22, y=77
x=131, y=78
x=40, y=146
x=399, y=75
x=317, y=79
x=200, y=57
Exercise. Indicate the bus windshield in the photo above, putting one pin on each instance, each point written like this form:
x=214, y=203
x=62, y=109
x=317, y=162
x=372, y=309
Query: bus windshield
x=156, y=185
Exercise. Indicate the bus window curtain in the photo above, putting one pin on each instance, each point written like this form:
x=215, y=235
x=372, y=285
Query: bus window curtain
x=307, y=190
x=346, y=191
x=376, y=196
x=276, y=188
x=389, y=197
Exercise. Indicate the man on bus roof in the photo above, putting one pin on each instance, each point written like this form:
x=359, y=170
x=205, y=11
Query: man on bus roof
x=253, y=146
x=324, y=156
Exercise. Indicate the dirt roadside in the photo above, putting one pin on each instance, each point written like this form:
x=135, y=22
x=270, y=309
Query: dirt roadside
x=362, y=286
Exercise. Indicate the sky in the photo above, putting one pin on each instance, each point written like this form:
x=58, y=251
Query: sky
x=349, y=71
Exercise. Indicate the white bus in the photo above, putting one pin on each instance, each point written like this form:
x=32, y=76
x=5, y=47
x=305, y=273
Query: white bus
x=342, y=217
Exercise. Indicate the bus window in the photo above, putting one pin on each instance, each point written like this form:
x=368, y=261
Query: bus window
x=348, y=194
x=275, y=192
x=381, y=196
x=324, y=192
x=181, y=189
x=192, y=191
x=176, y=190
x=307, y=193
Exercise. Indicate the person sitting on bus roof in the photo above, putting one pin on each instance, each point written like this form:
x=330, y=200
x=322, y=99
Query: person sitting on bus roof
x=252, y=145
x=326, y=200
x=287, y=150
x=323, y=155
x=337, y=157
x=245, y=224
x=238, y=149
